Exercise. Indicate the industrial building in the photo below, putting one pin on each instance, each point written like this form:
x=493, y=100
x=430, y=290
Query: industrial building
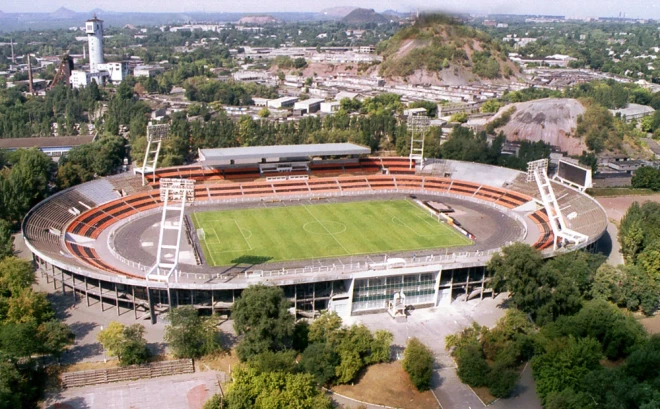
x=308, y=106
x=284, y=102
x=99, y=71
x=53, y=146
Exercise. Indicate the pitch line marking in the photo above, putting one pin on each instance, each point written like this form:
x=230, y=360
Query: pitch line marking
x=332, y=235
x=452, y=231
x=208, y=249
x=244, y=238
x=321, y=223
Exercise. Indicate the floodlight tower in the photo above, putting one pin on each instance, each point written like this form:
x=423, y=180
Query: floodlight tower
x=417, y=125
x=175, y=194
x=155, y=136
x=538, y=170
x=94, y=30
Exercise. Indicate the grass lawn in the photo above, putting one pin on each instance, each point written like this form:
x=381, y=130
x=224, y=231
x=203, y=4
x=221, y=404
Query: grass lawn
x=619, y=191
x=320, y=230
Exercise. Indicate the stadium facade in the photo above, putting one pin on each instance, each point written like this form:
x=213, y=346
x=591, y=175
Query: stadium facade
x=92, y=240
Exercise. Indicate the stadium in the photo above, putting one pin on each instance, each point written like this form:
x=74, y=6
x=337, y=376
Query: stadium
x=336, y=228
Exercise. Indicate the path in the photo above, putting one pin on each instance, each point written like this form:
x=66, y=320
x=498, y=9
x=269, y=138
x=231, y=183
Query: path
x=188, y=391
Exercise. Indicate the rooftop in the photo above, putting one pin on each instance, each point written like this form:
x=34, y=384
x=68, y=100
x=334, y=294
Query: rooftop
x=310, y=101
x=45, y=142
x=283, y=151
x=633, y=109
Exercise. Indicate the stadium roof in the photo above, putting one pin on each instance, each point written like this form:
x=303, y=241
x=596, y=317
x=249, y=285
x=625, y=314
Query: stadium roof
x=282, y=151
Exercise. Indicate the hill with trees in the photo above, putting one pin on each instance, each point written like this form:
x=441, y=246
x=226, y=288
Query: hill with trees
x=437, y=49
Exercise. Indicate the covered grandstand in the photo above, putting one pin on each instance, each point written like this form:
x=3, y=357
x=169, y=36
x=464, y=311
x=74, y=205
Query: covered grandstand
x=92, y=240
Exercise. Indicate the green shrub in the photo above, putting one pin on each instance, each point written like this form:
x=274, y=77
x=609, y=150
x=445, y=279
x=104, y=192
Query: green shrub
x=418, y=363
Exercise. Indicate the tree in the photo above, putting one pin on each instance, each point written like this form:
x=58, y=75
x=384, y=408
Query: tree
x=349, y=366
x=380, y=347
x=253, y=389
x=54, y=336
x=214, y=402
x=189, y=335
x=11, y=383
x=27, y=305
x=491, y=105
x=264, y=112
x=269, y=361
x=517, y=269
x=320, y=360
x=127, y=343
x=418, y=363
x=27, y=183
x=646, y=177
x=111, y=338
x=501, y=382
x=472, y=367
x=6, y=240
x=261, y=315
x=460, y=117
x=15, y=275
x=325, y=329
x=134, y=347
x=564, y=364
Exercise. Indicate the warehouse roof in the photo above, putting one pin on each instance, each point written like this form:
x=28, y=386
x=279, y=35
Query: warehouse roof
x=282, y=151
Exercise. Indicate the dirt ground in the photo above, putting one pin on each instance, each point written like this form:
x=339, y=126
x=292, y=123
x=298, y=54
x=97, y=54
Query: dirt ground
x=652, y=324
x=223, y=362
x=616, y=207
x=388, y=384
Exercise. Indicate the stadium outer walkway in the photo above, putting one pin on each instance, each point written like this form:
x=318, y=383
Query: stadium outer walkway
x=431, y=326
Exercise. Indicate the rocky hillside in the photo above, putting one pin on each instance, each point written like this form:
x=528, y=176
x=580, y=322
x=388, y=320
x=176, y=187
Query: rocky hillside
x=364, y=16
x=438, y=50
x=551, y=120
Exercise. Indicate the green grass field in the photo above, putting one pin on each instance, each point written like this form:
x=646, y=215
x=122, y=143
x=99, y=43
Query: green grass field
x=320, y=230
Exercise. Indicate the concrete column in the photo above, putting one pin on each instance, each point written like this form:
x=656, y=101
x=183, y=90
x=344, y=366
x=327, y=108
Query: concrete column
x=151, y=306
x=350, y=297
x=86, y=292
x=467, y=284
x=437, y=288
x=134, y=303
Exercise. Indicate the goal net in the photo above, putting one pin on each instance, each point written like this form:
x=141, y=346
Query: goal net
x=200, y=234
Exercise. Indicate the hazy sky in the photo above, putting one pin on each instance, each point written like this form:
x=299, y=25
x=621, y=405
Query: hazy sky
x=569, y=8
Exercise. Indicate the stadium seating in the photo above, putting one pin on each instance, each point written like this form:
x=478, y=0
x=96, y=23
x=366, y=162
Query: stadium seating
x=91, y=208
x=90, y=256
x=290, y=187
x=381, y=182
x=398, y=166
x=546, y=240
x=243, y=173
x=225, y=191
x=352, y=183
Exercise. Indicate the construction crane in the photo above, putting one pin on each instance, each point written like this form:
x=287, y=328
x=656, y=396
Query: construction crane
x=63, y=71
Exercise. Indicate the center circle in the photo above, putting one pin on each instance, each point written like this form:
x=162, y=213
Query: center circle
x=325, y=227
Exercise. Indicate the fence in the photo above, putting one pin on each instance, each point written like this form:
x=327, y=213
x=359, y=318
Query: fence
x=152, y=370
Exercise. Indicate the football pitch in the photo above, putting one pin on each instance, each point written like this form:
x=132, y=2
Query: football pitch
x=320, y=230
